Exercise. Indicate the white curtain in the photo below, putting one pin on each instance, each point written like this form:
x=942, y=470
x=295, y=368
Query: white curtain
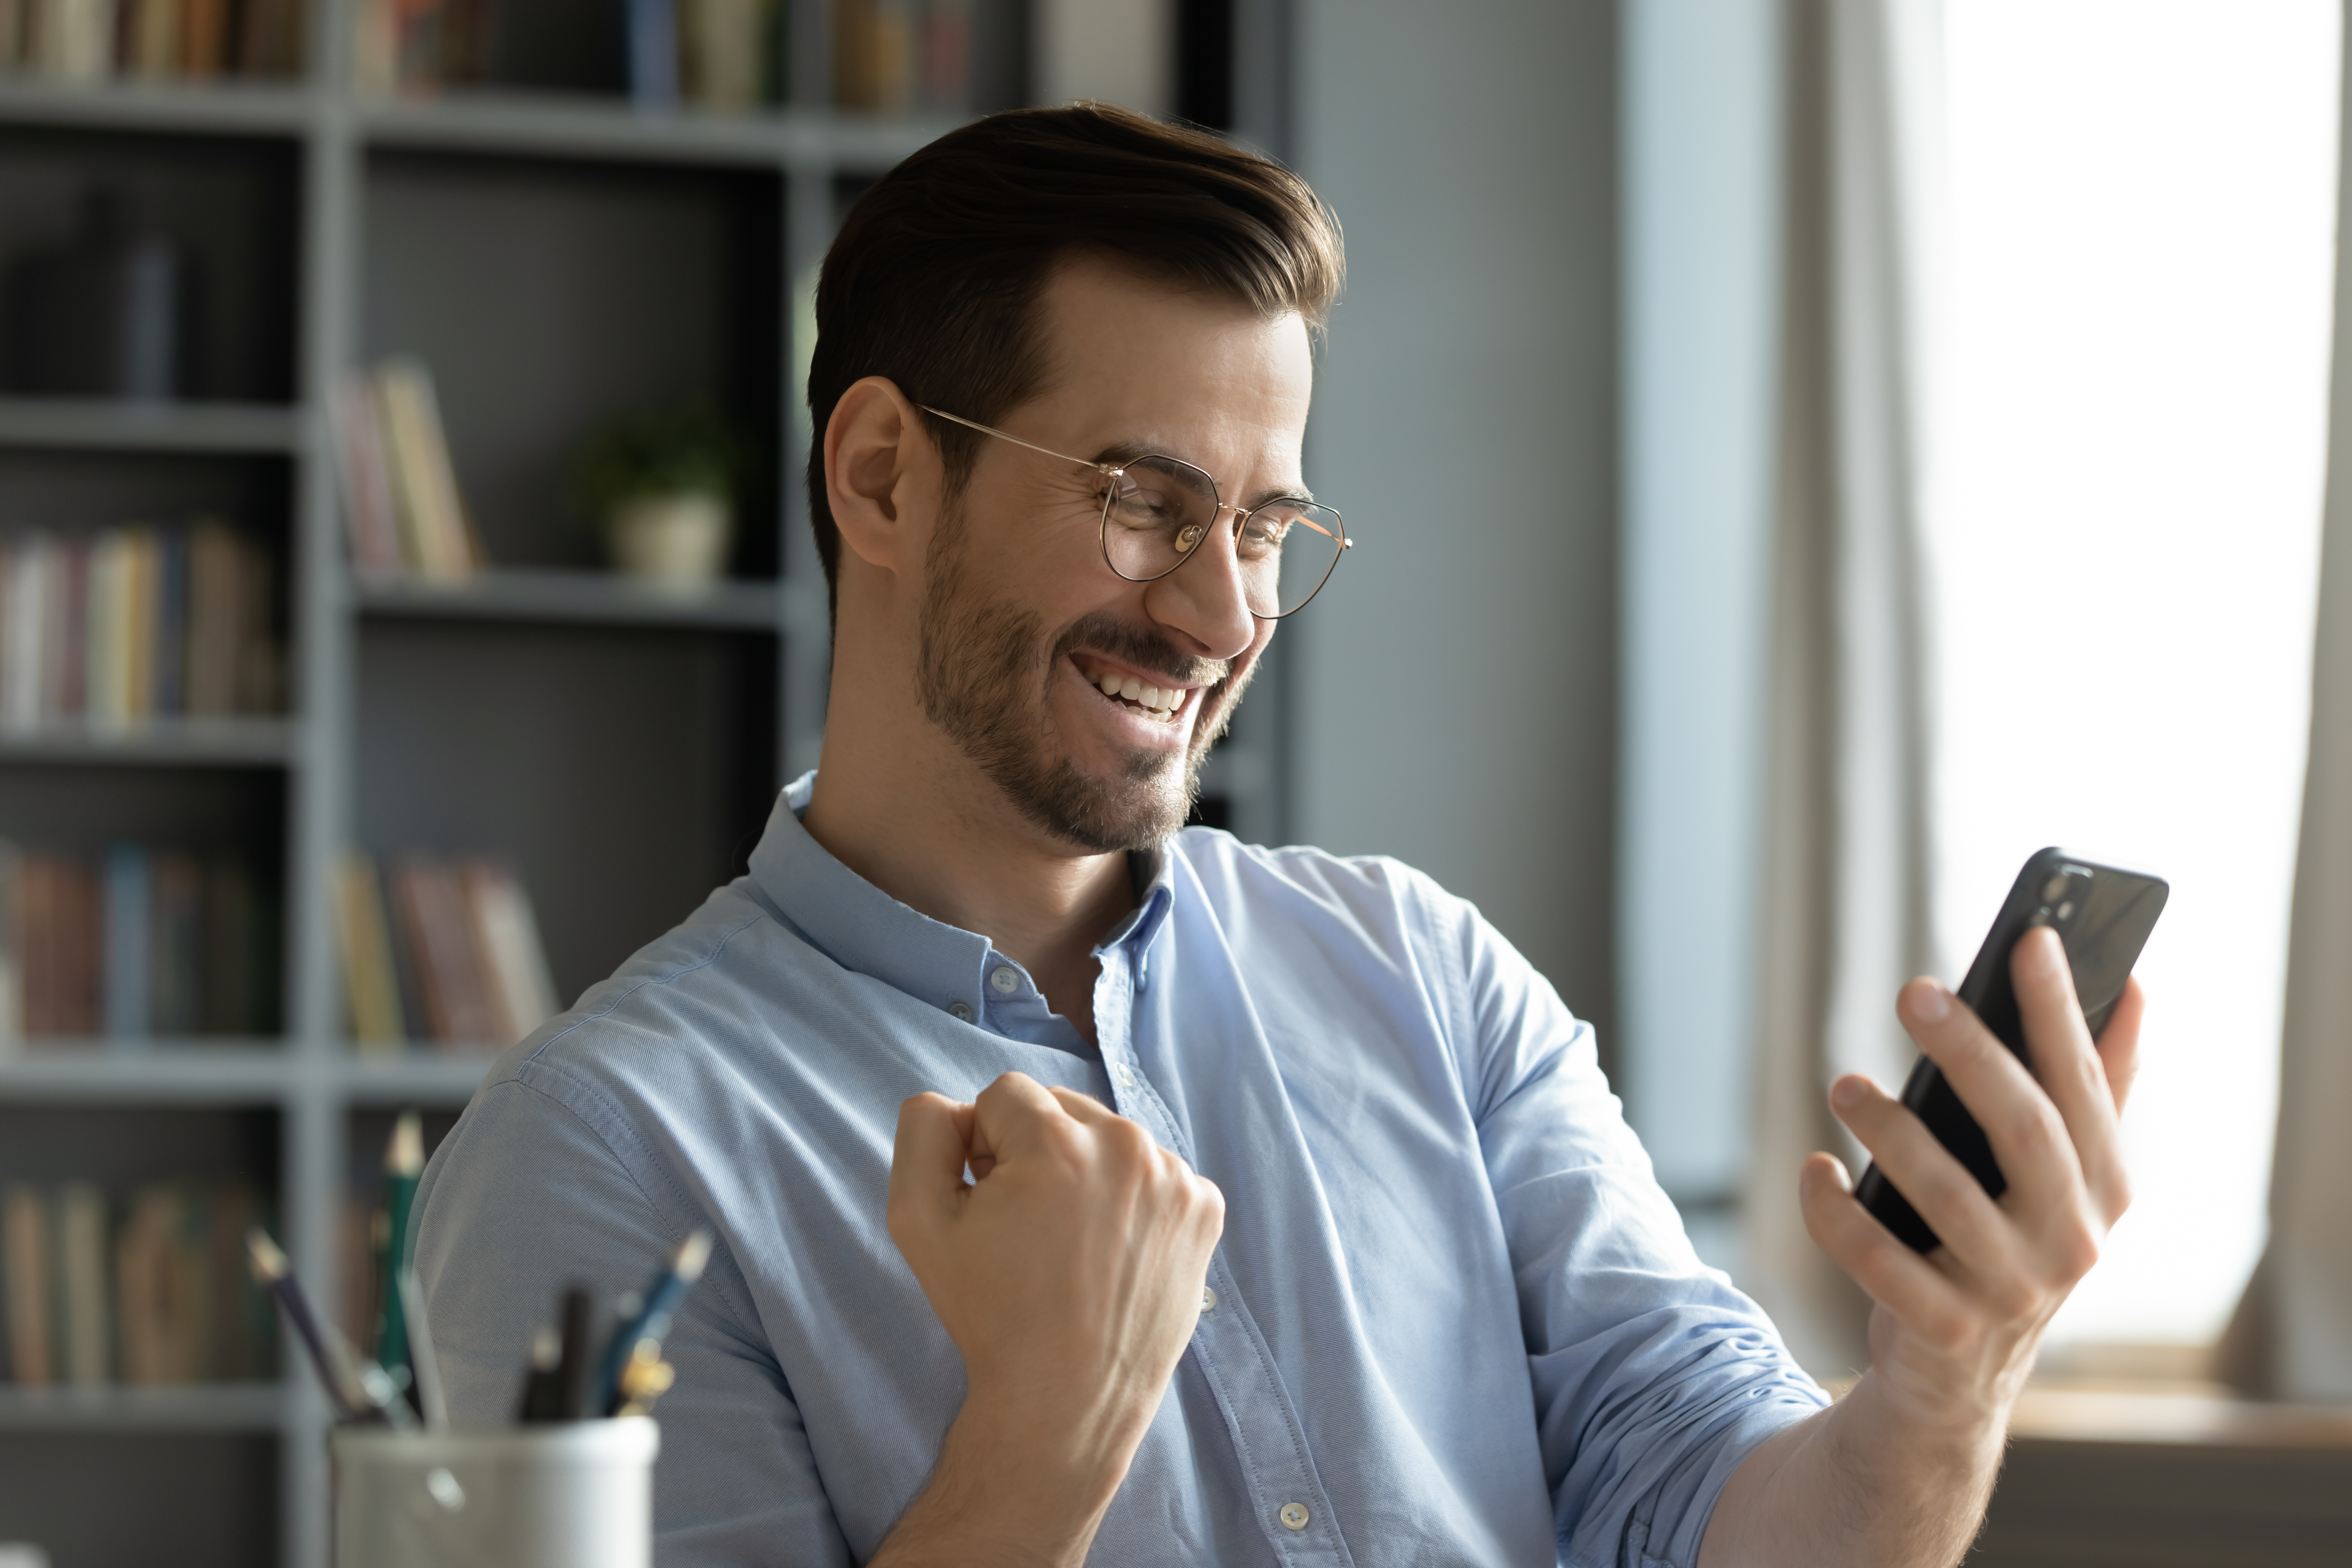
x=2292, y=1337
x=1844, y=916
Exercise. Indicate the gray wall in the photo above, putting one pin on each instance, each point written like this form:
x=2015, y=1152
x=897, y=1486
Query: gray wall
x=1457, y=682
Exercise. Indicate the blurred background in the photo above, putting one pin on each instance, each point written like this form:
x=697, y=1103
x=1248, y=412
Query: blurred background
x=1808, y=454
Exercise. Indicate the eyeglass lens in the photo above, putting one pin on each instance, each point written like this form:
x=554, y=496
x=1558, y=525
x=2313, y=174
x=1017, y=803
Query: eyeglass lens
x=1159, y=511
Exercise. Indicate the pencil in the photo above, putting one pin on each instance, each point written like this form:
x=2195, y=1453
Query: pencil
x=334, y=1369
x=404, y=1163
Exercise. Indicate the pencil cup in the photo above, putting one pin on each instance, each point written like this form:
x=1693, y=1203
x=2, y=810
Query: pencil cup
x=575, y=1495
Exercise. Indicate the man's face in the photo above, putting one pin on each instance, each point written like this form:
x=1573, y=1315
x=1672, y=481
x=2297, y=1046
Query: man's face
x=1023, y=623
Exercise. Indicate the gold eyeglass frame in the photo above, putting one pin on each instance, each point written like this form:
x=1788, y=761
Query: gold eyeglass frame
x=1184, y=551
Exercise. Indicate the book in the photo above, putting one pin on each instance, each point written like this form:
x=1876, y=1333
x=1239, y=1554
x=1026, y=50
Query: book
x=437, y=541
x=369, y=511
x=130, y=929
x=12, y=971
x=137, y=624
x=512, y=956
x=73, y=40
x=204, y=39
x=898, y=56
x=84, y=1331
x=58, y=919
x=151, y=38
x=269, y=37
x=725, y=49
x=653, y=53
x=174, y=950
x=459, y=962
x=25, y=1256
x=371, y=983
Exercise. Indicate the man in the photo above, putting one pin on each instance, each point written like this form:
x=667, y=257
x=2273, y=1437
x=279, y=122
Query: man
x=1086, y=1188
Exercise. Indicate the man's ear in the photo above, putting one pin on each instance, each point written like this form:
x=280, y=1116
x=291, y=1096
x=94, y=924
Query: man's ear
x=877, y=459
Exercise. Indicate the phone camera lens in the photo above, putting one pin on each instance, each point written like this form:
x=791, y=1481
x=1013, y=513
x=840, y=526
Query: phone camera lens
x=2066, y=910
x=2054, y=889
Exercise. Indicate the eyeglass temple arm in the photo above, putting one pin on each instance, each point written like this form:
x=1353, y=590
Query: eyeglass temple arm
x=991, y=430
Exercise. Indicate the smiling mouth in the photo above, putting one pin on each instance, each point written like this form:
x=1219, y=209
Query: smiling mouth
x=1163, y=705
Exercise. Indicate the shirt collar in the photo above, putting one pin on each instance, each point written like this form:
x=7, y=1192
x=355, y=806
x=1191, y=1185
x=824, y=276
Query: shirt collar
x=864, y=929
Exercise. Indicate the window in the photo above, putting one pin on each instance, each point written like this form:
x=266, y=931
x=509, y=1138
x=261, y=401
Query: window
x=2142, y=209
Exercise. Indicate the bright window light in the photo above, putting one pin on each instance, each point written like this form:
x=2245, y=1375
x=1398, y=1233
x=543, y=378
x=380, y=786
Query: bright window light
x=2126, y=564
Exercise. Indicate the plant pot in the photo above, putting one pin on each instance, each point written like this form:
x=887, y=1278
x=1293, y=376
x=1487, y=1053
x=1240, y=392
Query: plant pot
x=679, y=541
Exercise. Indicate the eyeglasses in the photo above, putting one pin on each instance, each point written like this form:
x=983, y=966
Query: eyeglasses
x=1156, y=511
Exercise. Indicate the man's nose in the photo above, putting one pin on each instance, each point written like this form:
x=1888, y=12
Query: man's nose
x=1202, y=600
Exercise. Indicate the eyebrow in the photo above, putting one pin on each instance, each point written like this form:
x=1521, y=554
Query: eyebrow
x=1125, y=452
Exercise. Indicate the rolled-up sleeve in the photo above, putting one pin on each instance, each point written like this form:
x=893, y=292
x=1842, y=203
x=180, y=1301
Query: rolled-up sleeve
x=1653, y=1377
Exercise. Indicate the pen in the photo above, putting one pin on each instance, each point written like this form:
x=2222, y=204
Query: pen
x=557, y=1387
x=360, y=1393
x=403, y=1161
x=639, y=1336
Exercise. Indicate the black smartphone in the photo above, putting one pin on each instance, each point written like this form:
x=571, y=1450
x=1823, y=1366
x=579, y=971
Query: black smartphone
x=2103, y=916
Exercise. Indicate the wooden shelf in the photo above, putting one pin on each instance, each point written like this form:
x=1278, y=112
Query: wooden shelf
x=160, y=742
x=98, y=423
x=591, y=598
x=184, y=1408
x=227, y=104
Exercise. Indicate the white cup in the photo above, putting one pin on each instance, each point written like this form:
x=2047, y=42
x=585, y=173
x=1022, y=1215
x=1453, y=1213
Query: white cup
x=576, y=1494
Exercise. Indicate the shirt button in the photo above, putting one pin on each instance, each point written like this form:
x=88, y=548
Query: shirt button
x=1293, y=1516
x=1208, y=1298
x=960, y=1011
x=1125, y=1074
x=1005, y=980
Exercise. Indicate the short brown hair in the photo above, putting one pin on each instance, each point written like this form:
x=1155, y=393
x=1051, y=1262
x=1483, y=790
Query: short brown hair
x=936, y=276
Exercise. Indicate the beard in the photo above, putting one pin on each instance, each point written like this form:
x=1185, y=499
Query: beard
x=985, y=673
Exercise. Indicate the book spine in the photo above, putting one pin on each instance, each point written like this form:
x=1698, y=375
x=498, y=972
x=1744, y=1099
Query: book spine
x=175, y=1006
x=653, y=53
x=370, y=983
x=23, y=637
x=432, y=520
x=66, y=647
x=203, y=37
x=142, y=621
x=25, y=1254
x=130, y=917
x=172, y=623
x=12, y=949
x=369, y=513
x=506, y=934
x=81, y=1255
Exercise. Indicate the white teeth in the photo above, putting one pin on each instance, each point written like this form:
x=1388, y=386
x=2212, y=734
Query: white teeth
x=1109, y=682
x=1150, y=697
x=1130, y=689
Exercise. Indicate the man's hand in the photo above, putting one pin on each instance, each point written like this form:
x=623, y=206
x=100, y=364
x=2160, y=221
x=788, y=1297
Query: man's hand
x=1899, y=1471
x=1068, y=1272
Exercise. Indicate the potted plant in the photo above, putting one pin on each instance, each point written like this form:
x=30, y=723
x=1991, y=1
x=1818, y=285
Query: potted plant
x=664, y=485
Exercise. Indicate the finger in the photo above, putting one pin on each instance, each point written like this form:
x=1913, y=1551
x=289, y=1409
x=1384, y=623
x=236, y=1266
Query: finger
x=2119, y=1042
x=927, y=1162
x=1889, y=1272
x=2067, y=1064
x=1954, y=1205
x=1083, y=1108
x=1011, y=1115
x=2028, y=1137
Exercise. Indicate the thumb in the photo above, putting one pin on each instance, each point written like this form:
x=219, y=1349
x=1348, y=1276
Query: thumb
x=927, y=1162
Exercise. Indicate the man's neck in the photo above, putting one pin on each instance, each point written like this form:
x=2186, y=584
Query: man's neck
x=937, y=835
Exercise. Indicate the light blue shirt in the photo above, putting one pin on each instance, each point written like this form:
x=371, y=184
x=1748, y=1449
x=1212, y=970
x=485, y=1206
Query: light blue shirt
x=1454, y=1318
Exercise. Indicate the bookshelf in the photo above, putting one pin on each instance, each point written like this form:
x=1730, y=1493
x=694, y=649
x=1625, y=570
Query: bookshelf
x=620, y=744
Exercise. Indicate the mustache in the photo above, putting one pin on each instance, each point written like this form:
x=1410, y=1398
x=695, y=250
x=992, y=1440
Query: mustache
x=1105, y=633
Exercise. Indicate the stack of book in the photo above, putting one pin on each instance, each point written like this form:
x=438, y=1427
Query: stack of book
x=143, y=944
x=401, y=504
x=902, y=57
x=121, y=627
x=439, y=950
x=92, y=40
x=155, y=1291
x=723, y=55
